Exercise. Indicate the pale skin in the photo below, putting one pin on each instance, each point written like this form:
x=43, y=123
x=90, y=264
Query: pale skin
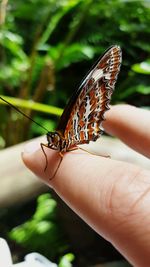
x=113, y=197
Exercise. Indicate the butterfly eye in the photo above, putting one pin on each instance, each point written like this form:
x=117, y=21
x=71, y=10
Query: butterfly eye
x=51, y=138
x=56, y=137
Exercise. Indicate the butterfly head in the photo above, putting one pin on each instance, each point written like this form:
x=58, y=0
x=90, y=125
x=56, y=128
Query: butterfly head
x=54, y=140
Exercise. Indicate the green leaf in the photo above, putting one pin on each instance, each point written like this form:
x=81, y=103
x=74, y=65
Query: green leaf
x=13, y=42
x=10, y=75
x=142, y=89
x=46, y=208
x=42, y=232
x=142, y=68
x=29, y=104
x=73, y=53
x=13, y=38
x=66, y=260
x=20, y=65
x=66, y=7
x=43, y=227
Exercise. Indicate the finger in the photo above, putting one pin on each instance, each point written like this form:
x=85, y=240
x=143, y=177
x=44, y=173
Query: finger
x=131, y=125
x=110, y=196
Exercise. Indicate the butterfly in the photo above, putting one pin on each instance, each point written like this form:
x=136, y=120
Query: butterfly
x=81, y=121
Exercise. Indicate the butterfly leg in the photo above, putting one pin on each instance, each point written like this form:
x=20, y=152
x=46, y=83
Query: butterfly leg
x=61, y=155
x=73, y=148
x=94, y=154
x=42, y=147
x=61, y=158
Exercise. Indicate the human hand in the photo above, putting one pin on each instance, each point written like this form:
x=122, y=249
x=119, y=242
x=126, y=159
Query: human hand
x=113, y=197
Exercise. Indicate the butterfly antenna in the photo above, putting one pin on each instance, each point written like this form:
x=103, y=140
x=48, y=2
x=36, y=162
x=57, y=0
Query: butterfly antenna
x=21, y=112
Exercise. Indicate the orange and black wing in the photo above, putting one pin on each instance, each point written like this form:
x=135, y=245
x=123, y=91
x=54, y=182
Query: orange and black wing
x=82, y=118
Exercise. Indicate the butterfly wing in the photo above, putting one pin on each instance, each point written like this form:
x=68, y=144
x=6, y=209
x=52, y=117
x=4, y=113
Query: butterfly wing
x=81, y=120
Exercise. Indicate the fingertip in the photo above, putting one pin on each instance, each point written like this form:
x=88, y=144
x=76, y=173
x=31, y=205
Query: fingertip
x=41, y=164
x=31, y=160
x=30, y=153
x=33, y=157
x=26, y=159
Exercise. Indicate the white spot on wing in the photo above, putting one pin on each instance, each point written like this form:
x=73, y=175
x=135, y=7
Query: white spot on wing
x=97, y=74
x=87, y=111
x=86, y=114
x=107, y=76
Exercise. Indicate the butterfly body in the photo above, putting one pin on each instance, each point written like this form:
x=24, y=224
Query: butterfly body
x=81, y=121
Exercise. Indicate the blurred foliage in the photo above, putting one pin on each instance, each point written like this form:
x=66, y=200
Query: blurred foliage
x=42, y=232
x=47, y=46
x=66, y=260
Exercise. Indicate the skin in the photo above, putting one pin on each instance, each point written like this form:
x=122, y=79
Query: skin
x=113, y=197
